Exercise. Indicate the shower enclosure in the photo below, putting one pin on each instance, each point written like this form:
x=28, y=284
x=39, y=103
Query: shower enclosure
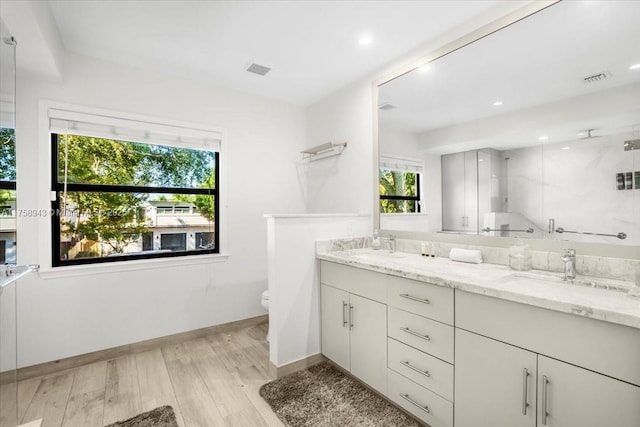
x=8, y=289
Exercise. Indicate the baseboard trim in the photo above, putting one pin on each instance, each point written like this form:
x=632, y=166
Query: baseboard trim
x=36, y=423
x=298, y=365
x=52, y=367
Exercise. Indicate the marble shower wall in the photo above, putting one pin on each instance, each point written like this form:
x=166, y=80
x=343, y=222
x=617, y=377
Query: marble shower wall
x=575, y=184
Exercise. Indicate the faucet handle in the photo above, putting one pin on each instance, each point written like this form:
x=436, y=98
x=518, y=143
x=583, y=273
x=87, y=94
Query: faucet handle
x=569, y=252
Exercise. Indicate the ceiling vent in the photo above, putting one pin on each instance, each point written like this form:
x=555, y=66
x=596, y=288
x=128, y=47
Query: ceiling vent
x=258, y=69
x=387, y=106
x=597, y=77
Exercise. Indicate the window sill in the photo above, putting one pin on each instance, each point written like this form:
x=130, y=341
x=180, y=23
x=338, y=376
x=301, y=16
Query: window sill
x=133, y=265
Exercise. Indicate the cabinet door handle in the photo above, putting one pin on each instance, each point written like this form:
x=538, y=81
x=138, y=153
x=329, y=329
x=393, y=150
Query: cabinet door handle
x=406, y=397
x=410, y=366
x=545, y=384
x=350, y=316
x=411, y=297
x=417, y=334
x=525, y=383
x=344, y=314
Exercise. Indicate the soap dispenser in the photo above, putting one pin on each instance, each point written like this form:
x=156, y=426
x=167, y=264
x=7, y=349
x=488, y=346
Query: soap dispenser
x=375, y=242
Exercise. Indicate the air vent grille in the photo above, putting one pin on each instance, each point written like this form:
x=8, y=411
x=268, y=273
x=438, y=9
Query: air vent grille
x=258, y=69
x=386, y=106
x=596, y=77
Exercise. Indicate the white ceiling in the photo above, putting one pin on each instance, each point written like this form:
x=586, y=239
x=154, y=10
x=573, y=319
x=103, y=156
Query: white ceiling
x=312, y=46
x=538, y=61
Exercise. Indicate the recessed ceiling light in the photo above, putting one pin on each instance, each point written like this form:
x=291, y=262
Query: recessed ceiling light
x=543, y=138
x=497, y=103
x=566, y=148
x=424, y=68
x=365, y=40
x=635, y=66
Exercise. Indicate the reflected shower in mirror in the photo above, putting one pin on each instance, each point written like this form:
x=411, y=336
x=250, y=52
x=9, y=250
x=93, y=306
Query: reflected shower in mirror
x=528, y=132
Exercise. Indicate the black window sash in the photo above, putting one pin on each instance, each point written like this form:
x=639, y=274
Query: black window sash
x=59, y=187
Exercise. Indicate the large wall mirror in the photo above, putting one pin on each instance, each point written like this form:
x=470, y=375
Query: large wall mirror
x=532, y=131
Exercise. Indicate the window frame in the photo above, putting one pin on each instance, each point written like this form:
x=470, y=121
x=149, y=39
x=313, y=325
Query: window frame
x=57, y=187
x=417, y=199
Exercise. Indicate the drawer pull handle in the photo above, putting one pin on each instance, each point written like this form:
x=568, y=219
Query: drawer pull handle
x=410, y=366
x=350, y=316
x=344, y=315
x=525, y=383
x=406, y=397
x=411, y=297
x=417, y=334
x=545, y=412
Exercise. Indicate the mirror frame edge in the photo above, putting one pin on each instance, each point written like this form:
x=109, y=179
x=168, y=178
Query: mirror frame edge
x=583, y=248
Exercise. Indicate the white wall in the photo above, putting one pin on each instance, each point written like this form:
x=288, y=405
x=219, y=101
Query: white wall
x=342, y=183
x=294, y=304
x=69, y=313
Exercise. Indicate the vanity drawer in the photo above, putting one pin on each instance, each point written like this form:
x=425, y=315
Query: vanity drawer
x=424, y=299
x=428, y=371
x=354, y=280
x=424, y=334
x=418, y=401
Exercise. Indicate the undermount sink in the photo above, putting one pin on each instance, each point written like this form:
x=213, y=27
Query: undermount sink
x=591, y=282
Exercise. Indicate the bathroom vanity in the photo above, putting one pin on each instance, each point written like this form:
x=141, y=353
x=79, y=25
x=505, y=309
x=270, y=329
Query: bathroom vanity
x=461, y=345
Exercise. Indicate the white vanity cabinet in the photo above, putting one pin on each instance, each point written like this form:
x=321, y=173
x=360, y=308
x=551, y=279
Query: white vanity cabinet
x=421, y=349
x=529, y=384
x=495, y=383
x=573, y=396
x=354, y=325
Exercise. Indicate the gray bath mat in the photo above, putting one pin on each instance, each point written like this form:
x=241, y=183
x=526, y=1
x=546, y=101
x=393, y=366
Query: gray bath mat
x=324, y=396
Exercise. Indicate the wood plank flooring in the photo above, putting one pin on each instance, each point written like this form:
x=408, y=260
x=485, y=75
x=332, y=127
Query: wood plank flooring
x=209, y=381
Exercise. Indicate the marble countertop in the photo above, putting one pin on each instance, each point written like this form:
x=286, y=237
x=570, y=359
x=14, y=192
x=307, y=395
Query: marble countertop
x=588, y=297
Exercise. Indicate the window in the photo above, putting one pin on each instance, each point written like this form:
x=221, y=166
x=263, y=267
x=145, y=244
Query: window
x=399, y=184
x=7, y=196
x=117, y=198
x=205, y=240
x=173, y=242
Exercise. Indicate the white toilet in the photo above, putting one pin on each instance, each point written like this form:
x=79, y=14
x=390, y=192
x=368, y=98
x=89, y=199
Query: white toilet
x=265, y=303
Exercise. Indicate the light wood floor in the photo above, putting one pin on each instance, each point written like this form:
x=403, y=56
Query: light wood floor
x=209, y=381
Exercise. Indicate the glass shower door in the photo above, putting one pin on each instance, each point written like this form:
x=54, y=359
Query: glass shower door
x=8, y=293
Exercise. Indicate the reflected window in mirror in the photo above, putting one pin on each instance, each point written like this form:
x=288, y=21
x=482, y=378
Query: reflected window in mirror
x=7, y=196
x=399, y=185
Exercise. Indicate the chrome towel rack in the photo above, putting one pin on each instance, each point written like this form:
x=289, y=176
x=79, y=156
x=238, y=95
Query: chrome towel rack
x=620, y=235
x=527, y=230
x=323, y=150
x=9, y=274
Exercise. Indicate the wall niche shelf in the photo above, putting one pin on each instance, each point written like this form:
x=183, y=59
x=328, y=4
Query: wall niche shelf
x=322, y=151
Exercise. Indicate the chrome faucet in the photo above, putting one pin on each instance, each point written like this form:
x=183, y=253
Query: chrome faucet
x=391, y=240
x=569, y=259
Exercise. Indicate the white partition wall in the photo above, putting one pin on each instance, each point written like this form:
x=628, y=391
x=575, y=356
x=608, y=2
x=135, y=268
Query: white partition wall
x=294, y=305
